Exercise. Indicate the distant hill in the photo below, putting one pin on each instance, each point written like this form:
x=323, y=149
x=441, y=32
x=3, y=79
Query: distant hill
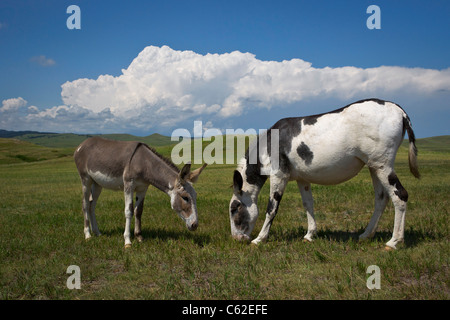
x=30, y=146
x=71, y=140
x=13, y=134
x=432, y=144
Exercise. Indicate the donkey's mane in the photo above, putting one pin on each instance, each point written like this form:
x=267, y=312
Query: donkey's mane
x=167, y=161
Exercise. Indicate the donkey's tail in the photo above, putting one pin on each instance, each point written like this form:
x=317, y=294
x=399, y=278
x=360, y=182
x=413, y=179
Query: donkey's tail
x=412, y=153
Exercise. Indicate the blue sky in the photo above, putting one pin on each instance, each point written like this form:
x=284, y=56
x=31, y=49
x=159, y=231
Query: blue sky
x=49, y=75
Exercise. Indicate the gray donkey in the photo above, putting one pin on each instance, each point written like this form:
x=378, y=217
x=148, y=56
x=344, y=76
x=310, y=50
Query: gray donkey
x=132, y=166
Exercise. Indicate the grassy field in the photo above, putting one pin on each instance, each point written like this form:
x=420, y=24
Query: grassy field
x=42, y=234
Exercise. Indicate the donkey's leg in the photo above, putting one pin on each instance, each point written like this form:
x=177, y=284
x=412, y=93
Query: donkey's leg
x=308, y=204
x=381, y=200
x=399, y=198
x=128, y=192
x=277, y=186
x=96, y=189
x=139, y=206
x=86, y=188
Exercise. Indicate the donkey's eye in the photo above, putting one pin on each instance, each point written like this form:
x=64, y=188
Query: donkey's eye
x=235, y=206
x=186, y=199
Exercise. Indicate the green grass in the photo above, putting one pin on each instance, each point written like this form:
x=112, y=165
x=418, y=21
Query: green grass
x=16, y=151
x=42, y=234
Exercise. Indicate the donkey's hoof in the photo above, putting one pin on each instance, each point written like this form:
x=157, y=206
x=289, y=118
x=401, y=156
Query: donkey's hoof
x=128, y=245
x=387, y=248
x=363, y=238
x=139, y=239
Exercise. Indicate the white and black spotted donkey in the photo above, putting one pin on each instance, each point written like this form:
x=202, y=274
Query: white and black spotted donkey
x=327, y=149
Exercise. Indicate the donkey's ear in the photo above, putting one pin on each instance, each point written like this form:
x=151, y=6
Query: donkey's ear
x=184, y=173
x=237, y=183
x=193, y=176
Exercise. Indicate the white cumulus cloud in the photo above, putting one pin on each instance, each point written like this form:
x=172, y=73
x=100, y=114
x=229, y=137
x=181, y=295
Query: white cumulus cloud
x=72, y=119
x=13, y=104
x=163, y=86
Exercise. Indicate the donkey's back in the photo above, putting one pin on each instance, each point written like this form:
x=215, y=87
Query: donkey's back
x=107, y=157
x=332, y=147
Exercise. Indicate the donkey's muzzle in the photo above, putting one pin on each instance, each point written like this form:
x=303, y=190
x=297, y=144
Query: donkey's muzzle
x=241, y=237
x=193, y=226
x=192, y=223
